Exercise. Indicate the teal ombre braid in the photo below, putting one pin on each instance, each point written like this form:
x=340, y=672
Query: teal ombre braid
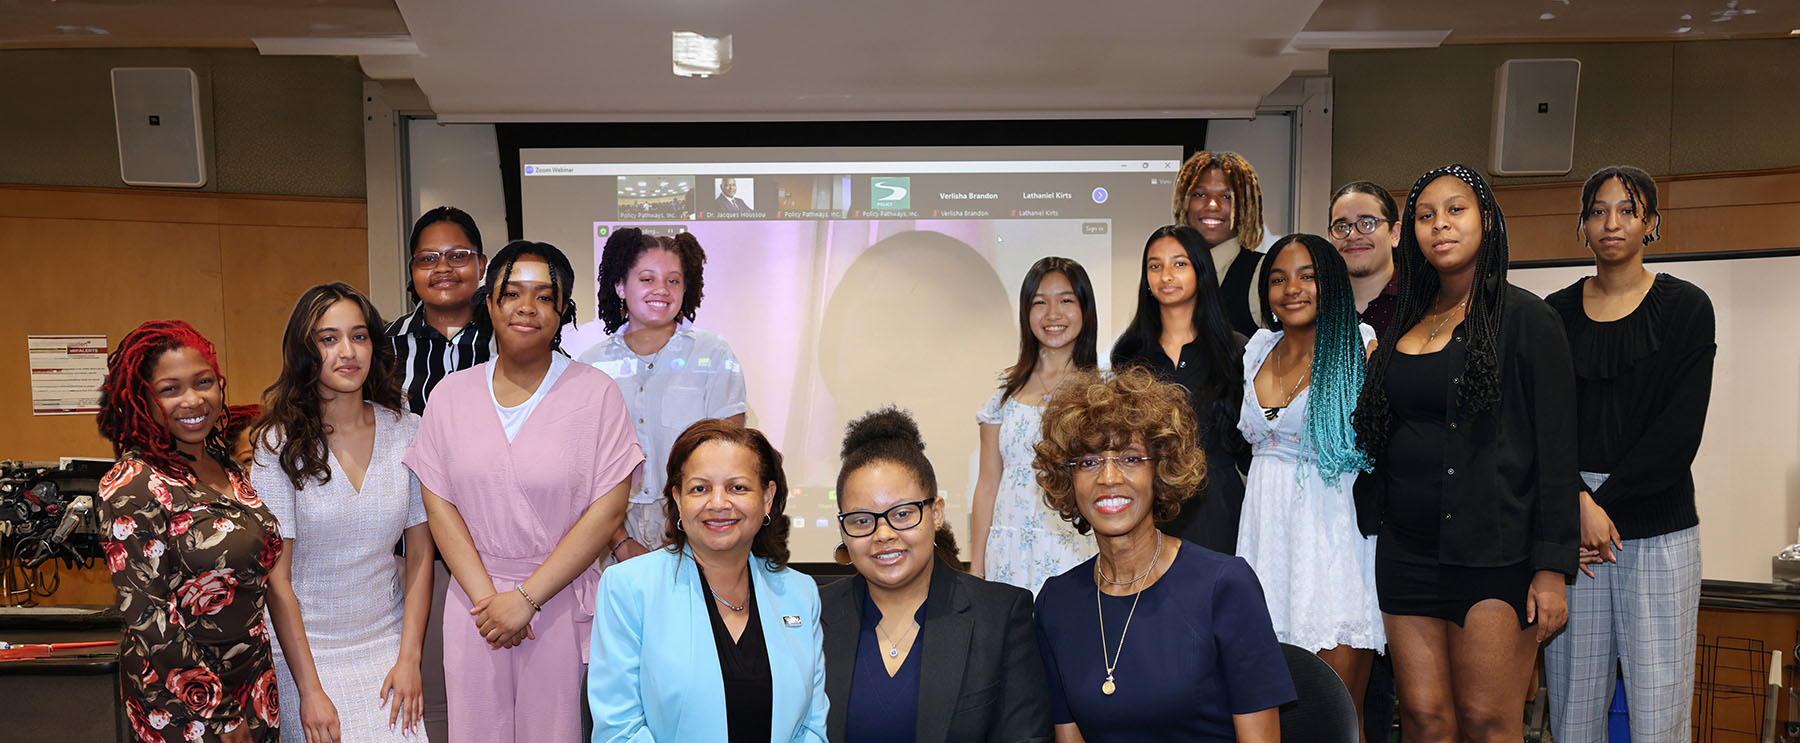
x=1337, y=367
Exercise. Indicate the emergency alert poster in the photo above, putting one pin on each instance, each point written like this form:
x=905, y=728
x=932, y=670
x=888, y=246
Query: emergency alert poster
x=66, y=373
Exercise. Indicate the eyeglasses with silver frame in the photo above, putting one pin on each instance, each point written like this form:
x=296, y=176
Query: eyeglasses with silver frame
x=1365, y=225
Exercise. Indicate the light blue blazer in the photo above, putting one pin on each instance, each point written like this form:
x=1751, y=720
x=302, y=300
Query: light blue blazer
x=653, y=670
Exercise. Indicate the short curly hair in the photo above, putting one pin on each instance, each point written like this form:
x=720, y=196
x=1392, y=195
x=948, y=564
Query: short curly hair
x=1092, y=413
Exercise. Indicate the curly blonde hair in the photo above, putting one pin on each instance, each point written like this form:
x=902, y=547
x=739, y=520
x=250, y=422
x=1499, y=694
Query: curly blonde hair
x=1092, y=413
x=1246, y=192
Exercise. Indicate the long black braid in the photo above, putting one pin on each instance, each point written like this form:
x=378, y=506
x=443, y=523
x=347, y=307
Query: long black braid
x=1478, y=387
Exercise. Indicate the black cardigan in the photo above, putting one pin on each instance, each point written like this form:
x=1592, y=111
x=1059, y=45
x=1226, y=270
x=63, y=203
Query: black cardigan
x=1511, y=485
x=981, y=678
x=1642, y=387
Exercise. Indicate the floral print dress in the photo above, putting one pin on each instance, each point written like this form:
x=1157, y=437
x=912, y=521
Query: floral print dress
x=191, y=567
x=1027, y=542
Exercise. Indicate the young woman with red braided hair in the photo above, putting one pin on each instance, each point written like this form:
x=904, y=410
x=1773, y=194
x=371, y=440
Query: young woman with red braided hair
x=189, y=545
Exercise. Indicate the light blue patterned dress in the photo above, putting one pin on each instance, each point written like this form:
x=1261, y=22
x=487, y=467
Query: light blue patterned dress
x=1027, y=542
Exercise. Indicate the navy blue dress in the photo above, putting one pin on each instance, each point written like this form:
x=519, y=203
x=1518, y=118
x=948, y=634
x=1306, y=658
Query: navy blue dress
x=1200, y=649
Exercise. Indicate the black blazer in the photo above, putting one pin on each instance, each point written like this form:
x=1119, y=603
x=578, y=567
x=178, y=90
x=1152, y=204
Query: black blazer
x=981, y=678
x=1511, y=489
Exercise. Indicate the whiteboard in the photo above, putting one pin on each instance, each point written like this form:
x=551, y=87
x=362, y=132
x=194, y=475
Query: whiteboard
x=1748, y=471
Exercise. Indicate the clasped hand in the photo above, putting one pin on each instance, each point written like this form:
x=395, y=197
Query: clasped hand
x=1599, y=538
x=503, y=619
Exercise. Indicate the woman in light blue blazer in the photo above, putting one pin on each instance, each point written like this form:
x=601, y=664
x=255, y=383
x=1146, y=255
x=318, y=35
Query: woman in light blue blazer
x=711, y=638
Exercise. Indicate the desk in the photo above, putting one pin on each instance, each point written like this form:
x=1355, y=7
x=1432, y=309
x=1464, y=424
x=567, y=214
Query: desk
x=73, y=695
x=1741, y=623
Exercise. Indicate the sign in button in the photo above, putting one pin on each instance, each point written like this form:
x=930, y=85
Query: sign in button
x=1093, y=228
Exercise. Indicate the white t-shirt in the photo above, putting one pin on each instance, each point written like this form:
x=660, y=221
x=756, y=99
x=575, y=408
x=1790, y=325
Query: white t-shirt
x=512, y=419
x=694, y=376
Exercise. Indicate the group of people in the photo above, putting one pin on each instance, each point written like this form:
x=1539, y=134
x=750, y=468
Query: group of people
x=1368, y=445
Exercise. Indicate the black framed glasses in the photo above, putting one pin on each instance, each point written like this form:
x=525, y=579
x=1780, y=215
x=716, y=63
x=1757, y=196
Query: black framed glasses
x=901, y=517
x=1365, y=225
x=1090, y=465
x=454, y=258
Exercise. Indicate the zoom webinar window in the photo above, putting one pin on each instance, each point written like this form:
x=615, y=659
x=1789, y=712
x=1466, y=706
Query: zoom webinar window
x=850, y=279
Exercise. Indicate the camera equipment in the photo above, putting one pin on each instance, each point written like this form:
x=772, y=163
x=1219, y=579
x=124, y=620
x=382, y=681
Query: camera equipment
x=47, y=520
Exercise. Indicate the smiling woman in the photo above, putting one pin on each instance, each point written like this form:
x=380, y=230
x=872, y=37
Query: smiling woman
x=913, y=646
x=1118, y=454
x=1017, y=540
x=713, y=638
x=189, y=545
x=672, y=373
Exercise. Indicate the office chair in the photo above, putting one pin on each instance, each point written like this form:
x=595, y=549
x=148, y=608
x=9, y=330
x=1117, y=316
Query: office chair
x=1323, y=712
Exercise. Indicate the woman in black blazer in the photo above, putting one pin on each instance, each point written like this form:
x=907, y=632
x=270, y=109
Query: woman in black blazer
x=915, y=650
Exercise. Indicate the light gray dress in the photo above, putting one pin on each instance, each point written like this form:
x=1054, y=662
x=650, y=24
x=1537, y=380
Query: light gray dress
x=349, y=584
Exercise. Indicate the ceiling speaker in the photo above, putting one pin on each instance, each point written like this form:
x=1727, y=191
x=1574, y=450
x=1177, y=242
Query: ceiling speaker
x=157, y=112
x=1534, y=116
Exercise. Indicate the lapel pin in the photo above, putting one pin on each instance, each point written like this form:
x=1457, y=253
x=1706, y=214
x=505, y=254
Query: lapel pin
x=790, y=620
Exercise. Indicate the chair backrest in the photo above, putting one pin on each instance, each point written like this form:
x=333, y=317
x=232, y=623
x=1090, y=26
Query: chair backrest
x=1323, y=712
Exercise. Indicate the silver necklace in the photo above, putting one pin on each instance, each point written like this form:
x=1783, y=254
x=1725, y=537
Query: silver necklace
x=728, y=604
x=1153, y=560
x=894, y=647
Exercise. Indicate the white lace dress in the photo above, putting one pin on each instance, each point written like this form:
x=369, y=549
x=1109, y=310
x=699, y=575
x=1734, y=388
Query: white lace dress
x=345, y=575
x=1299, y=534
x=1027, y=542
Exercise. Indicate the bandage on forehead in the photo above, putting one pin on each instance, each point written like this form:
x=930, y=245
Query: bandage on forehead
x=535, y=272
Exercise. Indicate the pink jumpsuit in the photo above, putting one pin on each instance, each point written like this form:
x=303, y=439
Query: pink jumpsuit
x=519, y=499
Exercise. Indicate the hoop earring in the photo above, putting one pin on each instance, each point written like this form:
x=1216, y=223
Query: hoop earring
x=841, y=555
x=678, y=523
x=765, y=519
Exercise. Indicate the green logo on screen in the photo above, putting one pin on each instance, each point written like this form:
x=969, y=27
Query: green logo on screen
x=890, y=193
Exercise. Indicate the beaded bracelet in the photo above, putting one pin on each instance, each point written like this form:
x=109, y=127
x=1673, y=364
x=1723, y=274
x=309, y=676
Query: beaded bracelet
x=528, y=600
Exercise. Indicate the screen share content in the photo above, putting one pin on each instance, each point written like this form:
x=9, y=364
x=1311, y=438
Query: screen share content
x=841, y=292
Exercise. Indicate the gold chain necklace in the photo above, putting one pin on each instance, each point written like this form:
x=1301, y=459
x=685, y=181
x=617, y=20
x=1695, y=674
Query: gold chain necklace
x=1445, y=319
x=1108, y=687
x=1281, y=383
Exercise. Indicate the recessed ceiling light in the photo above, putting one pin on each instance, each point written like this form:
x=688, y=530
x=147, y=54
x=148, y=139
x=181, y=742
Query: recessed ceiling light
x=701, y=56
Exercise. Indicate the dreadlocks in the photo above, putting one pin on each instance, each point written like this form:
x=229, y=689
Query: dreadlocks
x=1246, y=192
x=1337, y=367
x=1478, y=387
x=129, y=417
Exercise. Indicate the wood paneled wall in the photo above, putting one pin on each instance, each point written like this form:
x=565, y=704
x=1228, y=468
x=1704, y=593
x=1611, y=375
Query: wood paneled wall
x=93, y=260
x=1711, y=213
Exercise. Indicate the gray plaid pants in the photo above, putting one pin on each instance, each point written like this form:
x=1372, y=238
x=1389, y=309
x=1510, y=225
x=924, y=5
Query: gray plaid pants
x=1644, y=611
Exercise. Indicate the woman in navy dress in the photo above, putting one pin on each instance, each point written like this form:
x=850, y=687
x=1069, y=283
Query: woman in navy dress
x=1187, y=651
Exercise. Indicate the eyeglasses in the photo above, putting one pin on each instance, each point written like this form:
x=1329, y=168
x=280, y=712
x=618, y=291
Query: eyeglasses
x=1366, y=225
x=456, y=258
x=1090, y=465
x=901, y=517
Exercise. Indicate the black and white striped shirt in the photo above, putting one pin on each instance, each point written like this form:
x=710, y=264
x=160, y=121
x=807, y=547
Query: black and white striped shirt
x=424, y=356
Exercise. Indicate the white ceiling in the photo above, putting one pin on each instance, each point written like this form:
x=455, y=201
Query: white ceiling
x=560, y=59
x=582, y=60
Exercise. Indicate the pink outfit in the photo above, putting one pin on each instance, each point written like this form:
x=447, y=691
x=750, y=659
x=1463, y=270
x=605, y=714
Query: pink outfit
x=519, y=499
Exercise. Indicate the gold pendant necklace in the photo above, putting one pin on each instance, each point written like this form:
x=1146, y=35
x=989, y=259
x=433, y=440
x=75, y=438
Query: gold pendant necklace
x=1112, y=660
